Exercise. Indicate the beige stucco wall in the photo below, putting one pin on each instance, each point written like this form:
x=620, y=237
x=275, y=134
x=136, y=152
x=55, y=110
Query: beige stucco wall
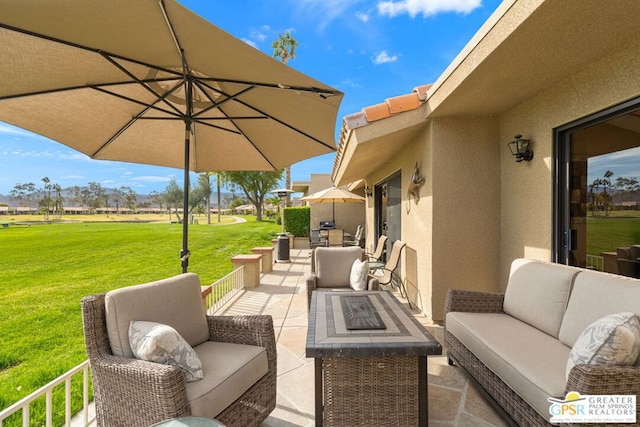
x=479, y=209
x=453, y=232
x=527, y=187
x=466, y=207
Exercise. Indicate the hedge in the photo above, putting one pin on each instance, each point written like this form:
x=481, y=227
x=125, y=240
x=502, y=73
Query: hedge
x=297, y=220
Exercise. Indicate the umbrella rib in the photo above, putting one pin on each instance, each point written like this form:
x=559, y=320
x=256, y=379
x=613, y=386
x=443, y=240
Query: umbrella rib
x=199, y=121
x=218, y=104
x=293, y=128
x=177, y=115
x=159, y=97
x=117, y=134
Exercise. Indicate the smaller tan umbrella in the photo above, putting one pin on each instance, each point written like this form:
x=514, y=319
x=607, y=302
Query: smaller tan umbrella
x=334, y=195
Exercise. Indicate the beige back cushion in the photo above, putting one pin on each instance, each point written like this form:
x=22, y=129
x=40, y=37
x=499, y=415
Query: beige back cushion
x=333, y=265
x=175, y=301
x=537, y=293
x=596, y=295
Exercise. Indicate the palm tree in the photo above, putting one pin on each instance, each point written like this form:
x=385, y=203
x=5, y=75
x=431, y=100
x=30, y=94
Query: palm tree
x=47, y=196
x=285, y=49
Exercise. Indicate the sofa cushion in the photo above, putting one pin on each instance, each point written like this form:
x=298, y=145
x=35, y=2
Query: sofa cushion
x=160, y=343
x=359, y=275
x=176, y=301
x=530, y=361
x=333, y=265
x=610, y=340
x=537, y=293
x=596, y=295
x=229, y=370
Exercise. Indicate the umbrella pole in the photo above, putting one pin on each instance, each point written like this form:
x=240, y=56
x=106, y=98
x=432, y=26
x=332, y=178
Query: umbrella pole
x=184, y=253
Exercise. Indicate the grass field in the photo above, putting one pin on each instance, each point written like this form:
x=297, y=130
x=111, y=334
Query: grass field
x=607, y=233
x=47, y=269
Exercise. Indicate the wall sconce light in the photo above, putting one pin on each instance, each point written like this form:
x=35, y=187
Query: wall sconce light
x=520, y=149
x=368, y=191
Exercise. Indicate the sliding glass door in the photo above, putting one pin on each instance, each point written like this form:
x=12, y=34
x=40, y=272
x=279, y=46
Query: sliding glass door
x=597, y=192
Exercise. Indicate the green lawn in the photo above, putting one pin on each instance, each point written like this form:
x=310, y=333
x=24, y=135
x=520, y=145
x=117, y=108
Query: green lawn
x=47, y=269
x=605, y=234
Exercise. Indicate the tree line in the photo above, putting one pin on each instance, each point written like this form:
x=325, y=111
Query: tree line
x=601, y=193
x=51, y=197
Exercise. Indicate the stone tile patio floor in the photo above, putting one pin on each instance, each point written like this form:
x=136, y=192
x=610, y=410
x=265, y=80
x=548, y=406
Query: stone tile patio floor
x=282, y=294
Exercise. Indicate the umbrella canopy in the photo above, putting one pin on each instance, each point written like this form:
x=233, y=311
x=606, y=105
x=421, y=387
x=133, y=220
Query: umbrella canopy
x=333, y=195
x=151, y=82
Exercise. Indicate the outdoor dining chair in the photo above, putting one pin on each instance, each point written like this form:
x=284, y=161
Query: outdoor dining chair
x=376, y=256
x=335, y=237
x=155, y=355
x=315, y=239
x=388, y=274
x=357, y=239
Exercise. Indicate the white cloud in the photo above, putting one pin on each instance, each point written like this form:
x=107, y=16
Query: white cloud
x=362, y=16
x=383, y=58
x=250, y=43
x=6, y=129
x=152, y=178
x=426, y=7
x=324, y=12
x=257, y=35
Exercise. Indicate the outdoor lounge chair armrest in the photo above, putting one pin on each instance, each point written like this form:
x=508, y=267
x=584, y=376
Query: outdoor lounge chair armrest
x=312, y=282
x=312, y=285
x=159, y=389
x=245, y=329
x=595, y=380
x=473, y=301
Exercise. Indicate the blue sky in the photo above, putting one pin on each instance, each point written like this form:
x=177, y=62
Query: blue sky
x=368, y=49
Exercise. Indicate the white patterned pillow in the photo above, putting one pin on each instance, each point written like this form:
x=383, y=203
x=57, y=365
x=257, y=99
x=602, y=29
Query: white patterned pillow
x=160, y=343
x=611, y=340
x=359, y=274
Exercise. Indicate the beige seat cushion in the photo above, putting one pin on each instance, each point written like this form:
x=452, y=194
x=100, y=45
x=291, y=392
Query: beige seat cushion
x=229, y=371
x=532, y=362
x=176, y=301
x=537, y=293
x=333, y=265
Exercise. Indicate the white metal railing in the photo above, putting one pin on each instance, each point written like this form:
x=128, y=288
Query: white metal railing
x=224, y=289
x=595, y=262
x=47, y=391
x=218, y=294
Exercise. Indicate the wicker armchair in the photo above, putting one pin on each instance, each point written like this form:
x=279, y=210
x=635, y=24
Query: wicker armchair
x=331, y=270
x=133, y=392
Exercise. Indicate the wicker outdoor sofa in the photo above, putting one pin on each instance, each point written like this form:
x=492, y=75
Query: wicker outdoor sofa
x=238, y=355
x=515, y=346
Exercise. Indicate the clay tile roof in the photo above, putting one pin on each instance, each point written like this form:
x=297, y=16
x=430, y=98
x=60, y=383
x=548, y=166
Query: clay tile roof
x=388, y=108
x=422, y=91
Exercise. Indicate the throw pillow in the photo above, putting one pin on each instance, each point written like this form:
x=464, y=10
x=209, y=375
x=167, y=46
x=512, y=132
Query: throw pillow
x=611, y=340
x=359, y=274
x=160, y=343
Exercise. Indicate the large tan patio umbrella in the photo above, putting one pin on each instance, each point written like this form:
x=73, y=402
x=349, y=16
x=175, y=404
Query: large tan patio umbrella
x=149, y=81
x=333, y=195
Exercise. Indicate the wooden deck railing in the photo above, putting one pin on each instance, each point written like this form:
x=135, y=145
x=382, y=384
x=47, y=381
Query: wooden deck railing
x=46, y=393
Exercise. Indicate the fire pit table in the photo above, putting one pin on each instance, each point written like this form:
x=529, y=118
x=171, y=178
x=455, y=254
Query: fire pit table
x=370, y=360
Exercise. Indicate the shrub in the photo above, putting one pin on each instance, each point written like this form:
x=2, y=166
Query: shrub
x=297, y=220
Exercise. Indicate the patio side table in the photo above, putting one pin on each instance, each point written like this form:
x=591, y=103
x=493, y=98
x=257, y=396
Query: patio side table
x=370, y=360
